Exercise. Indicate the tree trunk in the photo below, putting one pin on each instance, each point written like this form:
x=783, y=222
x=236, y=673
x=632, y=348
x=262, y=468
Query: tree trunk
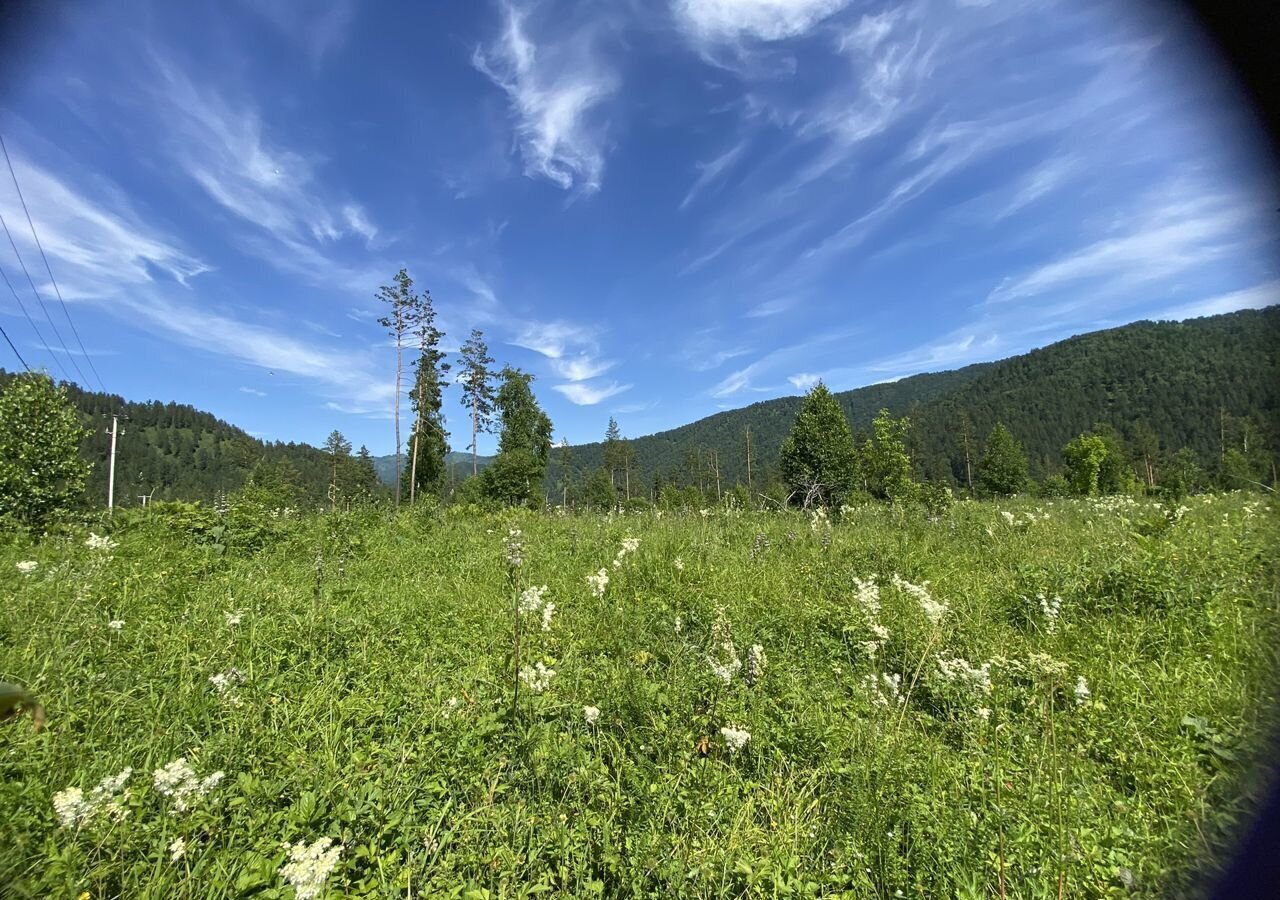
x=475, y=428
x=397, y=410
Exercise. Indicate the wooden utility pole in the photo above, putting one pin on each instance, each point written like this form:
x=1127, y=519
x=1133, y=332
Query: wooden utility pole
x=715, y=467
x=968, y=468
x=111, y=467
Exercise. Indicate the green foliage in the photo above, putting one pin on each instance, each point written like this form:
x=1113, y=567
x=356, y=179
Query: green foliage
x=366, y=689
x=476, y=379
x=817, y=458
x=41, y=472
x=1084, y=456
x=598, y=492
x=524, y=444
x=885, y=460
x=1002, y=470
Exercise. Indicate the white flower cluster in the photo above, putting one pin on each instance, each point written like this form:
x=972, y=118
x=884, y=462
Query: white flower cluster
x=225, y=683
x=27, y=566
x=723, y=658
x=591, y=714
x=179, y=781
x=534, y=602
x=884, y=690
x=598, y=582
x=514, y=549
x=757, y=662
x=233, y=617
x=679, y=564
x=74, y=809
x=537, y=677
x=116, y=624
x=450, y=707
x=1027, y=517
x=1050, y=607
x=309, y=866
x=818, y=520
x=177, y=849
x=955, y=669
x=100, y=544
x=868, y=595
x=735, y=737
x=629, y=545
x=933, y=609
x=1081, y=691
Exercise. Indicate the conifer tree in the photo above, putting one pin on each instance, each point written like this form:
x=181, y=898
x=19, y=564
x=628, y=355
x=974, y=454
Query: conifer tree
x=888, y=467
x=477, y=387
x=402, y=301
x=429, y=440
x=817, y=458
x=339, y=450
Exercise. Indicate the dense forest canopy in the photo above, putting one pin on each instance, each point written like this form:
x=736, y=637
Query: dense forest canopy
x=1206, y=384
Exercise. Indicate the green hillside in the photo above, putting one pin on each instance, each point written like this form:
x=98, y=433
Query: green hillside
x=1188, y=382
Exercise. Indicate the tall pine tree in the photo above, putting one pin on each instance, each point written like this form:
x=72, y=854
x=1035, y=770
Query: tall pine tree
x=430, y=442
x=524, y=445
x=477, y=387
x=817, y=457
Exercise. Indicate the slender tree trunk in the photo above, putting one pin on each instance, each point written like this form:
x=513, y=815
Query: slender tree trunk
x=413, y=466
x=397, y=410
x=475, y=428
x=749, y=485
x=968, y=468
x=627, y=474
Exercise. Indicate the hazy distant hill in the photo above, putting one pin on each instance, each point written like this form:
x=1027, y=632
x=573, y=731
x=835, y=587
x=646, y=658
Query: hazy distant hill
x=459, y=465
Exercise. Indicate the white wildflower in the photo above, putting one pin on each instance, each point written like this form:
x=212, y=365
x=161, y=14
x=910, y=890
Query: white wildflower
x=818, y=520
x=450, y=707
x=309, y=866
x=537, y=677
x=116, y=624
x=1082, y=690
x=177, y=849
x=735, y=737
x=885, y=690
x=1050, y=608
x=591, y=714
x=227, y=680
x=679, y=624
x=514, y=549
x=679, y=564
x=933, y=609
x=757, y=662
x=983, y=713
x=27, y=566
x=598, y=582
x=71, y=807
x=1009, y=517
x=100, y=543
x=957, y=670
x=630, y=544
x=233, y=618
x=179, y=782
x=868, y=595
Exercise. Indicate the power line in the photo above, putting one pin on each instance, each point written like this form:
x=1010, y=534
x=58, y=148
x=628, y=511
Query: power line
x=45, y=309
x=14, y=349
x=47, y=268
x=32, y=322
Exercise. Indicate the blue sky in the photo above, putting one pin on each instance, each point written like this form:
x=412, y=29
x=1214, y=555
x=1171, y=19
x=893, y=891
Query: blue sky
x=661, y=209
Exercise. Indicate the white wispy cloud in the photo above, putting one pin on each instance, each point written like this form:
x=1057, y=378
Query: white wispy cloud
x=765, y=20
x=555, y=88
x=771, y=307
x=319, y=29
x=581, y=368
x=552, y=339
x=1163, y=239
x=359, y=221
x=710, y=171
x=802, y=381
x=99, y=244
x=1256, y=297
x=254, y=391
x=1048, y=176
x=584, y=394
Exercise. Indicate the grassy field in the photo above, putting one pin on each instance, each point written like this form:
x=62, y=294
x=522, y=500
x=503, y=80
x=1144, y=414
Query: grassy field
x=1062, y=699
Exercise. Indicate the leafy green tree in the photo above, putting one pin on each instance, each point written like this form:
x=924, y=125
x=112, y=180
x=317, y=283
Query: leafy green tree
x=885, y=459
x=41, y=472
x=1183, y=474
x=275, y=483
x=1003, y=467
x=1084, y=456
x=598, y=491
x=364, y=478
x=429, y=442
x=1115, y=474
x=613, y=450
x=476, y=378
x=524, y=445
x=817, y=458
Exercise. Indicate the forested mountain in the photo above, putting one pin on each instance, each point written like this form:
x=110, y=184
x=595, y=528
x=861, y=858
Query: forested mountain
x=174, y=451
x=1203, y=384
x=1179, y=384
x=457, y=463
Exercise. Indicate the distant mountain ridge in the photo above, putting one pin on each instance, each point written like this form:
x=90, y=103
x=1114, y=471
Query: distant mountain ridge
x=458, y=463
x=1180, y=380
